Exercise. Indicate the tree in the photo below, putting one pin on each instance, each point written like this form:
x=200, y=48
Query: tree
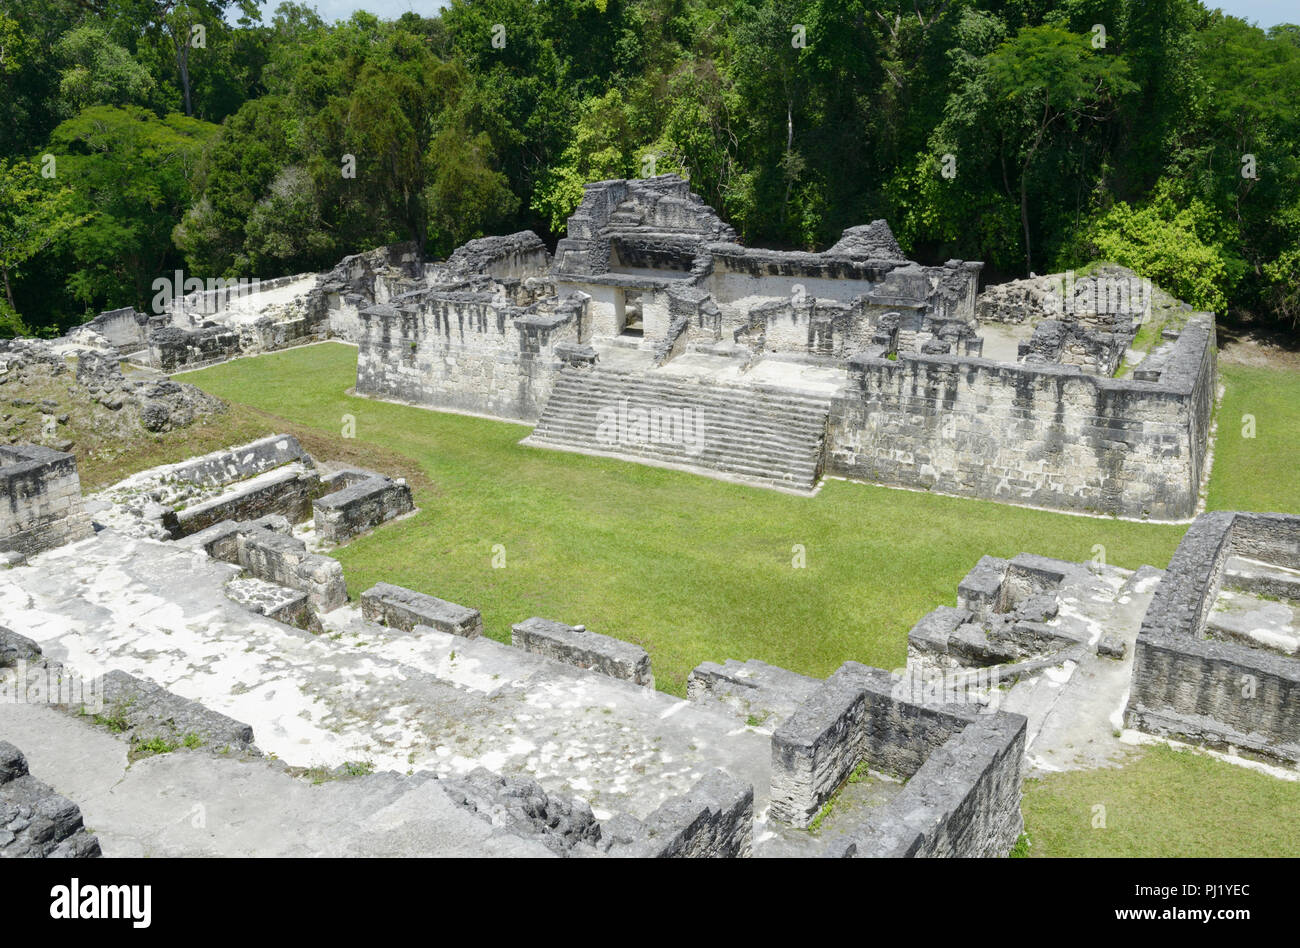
x=99, y=72
x=34, y=213
x=1175, y=248
x=1048, y=79
x=132, y=172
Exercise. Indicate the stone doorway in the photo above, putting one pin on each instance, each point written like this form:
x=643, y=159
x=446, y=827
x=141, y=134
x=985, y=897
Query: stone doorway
x=631, y=323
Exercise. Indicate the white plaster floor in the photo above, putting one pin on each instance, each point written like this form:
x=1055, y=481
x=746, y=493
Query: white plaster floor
x=361, y=692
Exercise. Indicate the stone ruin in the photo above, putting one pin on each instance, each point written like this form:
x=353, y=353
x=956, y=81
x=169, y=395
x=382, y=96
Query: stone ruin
x=1218, y=656
x=198, y=638
x=228, y=660
x=652, y=335
x=40, y=501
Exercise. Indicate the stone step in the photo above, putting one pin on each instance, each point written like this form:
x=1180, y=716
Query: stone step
x=757, y=453
x=690, y=385
x=792, y=417
x=783, y=476
x=758, y=434
x=784, y=417
x=569, y=416
x=729, y=426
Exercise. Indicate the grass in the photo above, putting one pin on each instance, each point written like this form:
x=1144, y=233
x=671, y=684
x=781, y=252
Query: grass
x=1257, y=473
x=690, y=568
x=1163, y=802
x=695, y=569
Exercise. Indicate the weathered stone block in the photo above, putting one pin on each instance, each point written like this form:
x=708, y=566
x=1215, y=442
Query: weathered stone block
x=404, y=609
x=576, y=645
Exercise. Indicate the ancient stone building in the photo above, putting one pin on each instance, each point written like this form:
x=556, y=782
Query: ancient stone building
x=653, y=335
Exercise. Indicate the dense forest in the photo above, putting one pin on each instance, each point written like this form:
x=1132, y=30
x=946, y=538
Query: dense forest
x=142, y=136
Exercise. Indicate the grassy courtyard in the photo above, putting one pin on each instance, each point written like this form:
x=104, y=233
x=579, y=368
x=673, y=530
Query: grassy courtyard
x=1258, y=442
x=688, y=567
x=695, y=569
x=1163, y=802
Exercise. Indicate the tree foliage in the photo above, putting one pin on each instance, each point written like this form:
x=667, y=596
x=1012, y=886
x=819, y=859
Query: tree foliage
x=1028, y=135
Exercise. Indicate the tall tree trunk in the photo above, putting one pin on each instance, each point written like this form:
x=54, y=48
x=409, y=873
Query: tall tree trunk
x=183, y=60
x=1024, y=220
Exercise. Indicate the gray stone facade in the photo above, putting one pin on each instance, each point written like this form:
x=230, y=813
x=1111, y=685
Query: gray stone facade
x=40, y=500
x=1035, y=433
x=577, y=645
x=407, y=610
x=1189, y=685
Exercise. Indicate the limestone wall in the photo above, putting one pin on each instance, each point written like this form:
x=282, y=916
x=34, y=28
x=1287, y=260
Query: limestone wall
x=359, y=501
x=406, y=609
x=850, y=718
x=1039, y=434
x=287, y=491
x=1224, y=693
x=40, y=500
x=963, y=802
x=809, y=326
x=578, y=646
x=124, y=328
x=963, y=768
x=36, y=822
x=466, y=352
x=233, y=464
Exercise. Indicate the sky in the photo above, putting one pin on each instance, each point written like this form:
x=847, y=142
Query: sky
x=1264, y=13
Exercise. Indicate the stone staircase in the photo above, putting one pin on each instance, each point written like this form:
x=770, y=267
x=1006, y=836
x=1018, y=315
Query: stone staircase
x=761, y=435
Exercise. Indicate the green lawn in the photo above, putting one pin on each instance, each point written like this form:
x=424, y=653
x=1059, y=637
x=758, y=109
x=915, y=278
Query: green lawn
x=1163, y=802
x=1258, y=473
x=696, y=569
x=691, y=568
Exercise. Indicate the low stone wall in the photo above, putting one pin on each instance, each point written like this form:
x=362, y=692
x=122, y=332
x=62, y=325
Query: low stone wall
x=276, y=558
x=406, y=609
x=40, y=500
x=576, y=645
x=361, y=501
x=142, y=710
x=239, y=463
x=172, y=348
x=963, y=768
x=288, y=491
x=1042, y=434
x=964, y=801
x=289, y=606
x=36, y=822
x=1222, y=693
x=852, y=717
x=715, y=819
x=125, y=329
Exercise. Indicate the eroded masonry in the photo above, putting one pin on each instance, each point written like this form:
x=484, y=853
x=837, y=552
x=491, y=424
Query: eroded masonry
x=652, y=335
x=186, y=628
x=200, y=640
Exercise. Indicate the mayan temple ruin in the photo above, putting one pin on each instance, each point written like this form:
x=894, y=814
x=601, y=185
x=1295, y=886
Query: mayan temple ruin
x=196, y=607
